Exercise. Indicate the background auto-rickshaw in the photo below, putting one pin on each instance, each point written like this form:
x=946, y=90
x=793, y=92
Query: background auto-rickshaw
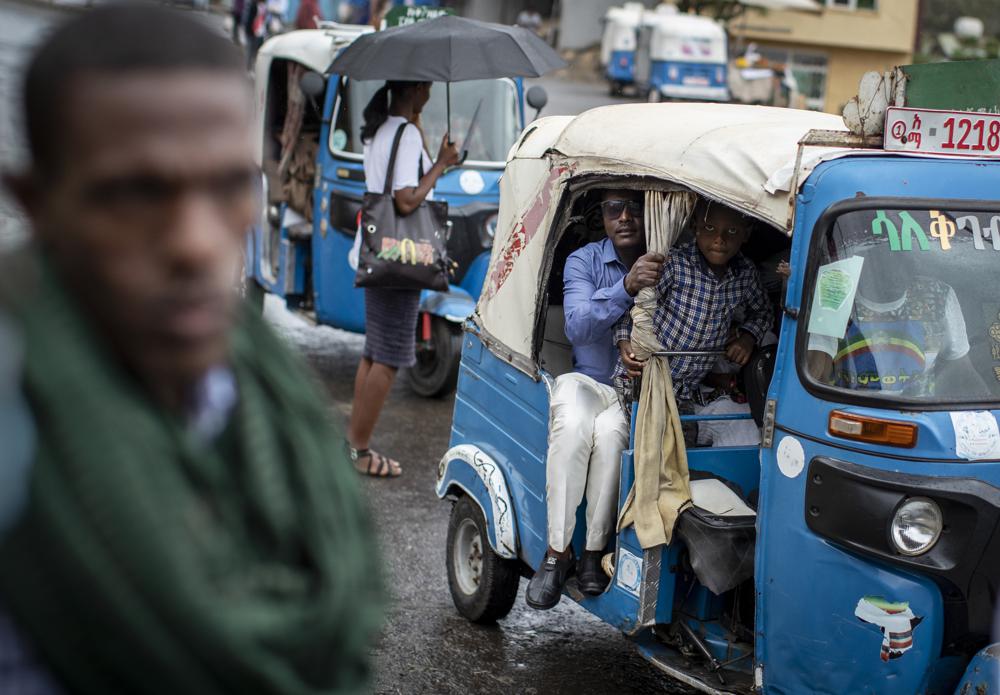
x=688, y=58
x=311, y=155
x=618, y=45
x=871, y=505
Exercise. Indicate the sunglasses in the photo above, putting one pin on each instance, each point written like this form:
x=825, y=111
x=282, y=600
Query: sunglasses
x=613, y=208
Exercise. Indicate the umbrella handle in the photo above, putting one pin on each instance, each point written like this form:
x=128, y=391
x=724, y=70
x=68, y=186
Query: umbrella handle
x=448, y=102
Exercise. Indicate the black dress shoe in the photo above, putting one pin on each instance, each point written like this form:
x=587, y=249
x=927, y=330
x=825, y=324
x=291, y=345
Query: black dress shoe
x=545, y=588
x=590, y=576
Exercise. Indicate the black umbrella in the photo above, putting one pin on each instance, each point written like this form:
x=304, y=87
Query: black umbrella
x=447, y=49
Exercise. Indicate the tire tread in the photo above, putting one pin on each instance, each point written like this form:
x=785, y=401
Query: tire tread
x=500, y=578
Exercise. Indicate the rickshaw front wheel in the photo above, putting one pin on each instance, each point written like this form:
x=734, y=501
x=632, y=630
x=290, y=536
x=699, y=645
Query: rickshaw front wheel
x=483, y=584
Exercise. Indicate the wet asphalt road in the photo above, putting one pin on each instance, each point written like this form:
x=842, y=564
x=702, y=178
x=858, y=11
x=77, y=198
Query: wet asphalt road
x=427, y=647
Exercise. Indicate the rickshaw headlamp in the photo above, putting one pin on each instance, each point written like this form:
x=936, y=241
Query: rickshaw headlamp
x=916, y=526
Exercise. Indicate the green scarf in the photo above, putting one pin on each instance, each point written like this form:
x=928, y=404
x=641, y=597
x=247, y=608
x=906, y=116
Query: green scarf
x=147, y=562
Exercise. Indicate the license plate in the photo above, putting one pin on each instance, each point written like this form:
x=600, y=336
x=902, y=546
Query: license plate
x=929, y=131
x=695, y=80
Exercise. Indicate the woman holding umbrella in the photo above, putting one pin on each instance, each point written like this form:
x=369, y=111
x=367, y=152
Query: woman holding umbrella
x=391, y=314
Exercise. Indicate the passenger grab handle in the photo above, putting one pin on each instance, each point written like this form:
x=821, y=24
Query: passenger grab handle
x=688, y=353
x=636, y=381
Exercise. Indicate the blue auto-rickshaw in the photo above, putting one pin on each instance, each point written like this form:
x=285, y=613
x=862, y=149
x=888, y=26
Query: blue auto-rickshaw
x=300, y=250
x=871, y=505
x=619, y=41
x=687, y=58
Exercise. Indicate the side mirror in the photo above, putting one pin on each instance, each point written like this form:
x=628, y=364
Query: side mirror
x=537, y=98
x=312, y=84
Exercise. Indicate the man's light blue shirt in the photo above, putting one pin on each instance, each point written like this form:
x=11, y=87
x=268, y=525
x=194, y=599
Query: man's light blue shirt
x=594, y=299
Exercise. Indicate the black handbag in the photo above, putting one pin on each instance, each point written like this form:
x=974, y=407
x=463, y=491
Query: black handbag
x=402, y=251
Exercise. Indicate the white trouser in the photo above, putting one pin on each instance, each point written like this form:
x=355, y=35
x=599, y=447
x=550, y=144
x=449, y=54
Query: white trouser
x=587, y=433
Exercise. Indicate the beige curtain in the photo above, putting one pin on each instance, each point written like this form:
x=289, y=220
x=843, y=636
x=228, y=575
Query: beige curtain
x=294, y=115
x=662, y=489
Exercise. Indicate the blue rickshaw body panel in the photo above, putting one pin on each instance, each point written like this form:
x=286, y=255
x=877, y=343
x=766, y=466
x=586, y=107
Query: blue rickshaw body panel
x=810, y=613
x=809, y=592
x=982, y=677
x=621, y=67
x=504, y=412
x=684, y=80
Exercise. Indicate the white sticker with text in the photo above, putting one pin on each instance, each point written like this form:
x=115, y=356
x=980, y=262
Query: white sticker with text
x=977, y=436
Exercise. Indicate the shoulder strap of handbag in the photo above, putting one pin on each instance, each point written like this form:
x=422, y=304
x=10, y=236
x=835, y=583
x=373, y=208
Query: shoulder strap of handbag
x=392, y=158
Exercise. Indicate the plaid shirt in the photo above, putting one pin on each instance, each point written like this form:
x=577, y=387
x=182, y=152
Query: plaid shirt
x=695, y=310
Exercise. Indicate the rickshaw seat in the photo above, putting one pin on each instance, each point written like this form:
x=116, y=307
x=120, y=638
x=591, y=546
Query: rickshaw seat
x=718, y=499
x=556, y=356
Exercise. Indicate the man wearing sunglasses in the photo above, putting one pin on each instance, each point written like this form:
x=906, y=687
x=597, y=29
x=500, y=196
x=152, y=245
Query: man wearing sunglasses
x=702, y=285
x=587, y=430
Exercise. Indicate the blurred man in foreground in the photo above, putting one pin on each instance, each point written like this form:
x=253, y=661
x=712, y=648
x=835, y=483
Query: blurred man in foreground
x=186, y=522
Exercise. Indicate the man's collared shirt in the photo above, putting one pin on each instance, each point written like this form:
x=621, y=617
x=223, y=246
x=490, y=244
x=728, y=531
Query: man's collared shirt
x=695, y=310
x=594, y=299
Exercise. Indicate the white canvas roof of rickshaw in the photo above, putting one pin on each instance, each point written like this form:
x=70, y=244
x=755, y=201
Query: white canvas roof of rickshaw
x=314, y=48
x=685, y=27
x=726, y=151
x=538, y=137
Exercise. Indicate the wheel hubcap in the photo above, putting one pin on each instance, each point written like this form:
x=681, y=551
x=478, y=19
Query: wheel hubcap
x=468, y=556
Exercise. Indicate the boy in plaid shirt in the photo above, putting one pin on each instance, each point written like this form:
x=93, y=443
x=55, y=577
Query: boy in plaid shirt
x=701, y=286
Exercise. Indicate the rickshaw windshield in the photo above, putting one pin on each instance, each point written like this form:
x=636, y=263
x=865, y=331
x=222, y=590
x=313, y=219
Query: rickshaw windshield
x=496, y=126
x=903, y=306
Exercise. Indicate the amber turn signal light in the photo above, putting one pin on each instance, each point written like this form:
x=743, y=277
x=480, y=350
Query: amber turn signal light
x=873, y=430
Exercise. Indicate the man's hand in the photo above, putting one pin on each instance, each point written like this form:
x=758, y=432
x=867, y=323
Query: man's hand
x=645, y=273
x=740, y=349
x=633, y=366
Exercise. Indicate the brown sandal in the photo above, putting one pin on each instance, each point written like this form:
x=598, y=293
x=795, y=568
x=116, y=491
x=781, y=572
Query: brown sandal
x=378, y=466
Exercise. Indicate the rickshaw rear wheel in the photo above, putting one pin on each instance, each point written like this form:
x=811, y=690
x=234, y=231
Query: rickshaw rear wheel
x=483, y=584
x=436, y=371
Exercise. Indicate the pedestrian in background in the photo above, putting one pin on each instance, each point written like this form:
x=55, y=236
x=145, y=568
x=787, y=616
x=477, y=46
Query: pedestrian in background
x=236, y=12
x=186, y=521
x=308, y=15
x=391, y=314
x=256, y=20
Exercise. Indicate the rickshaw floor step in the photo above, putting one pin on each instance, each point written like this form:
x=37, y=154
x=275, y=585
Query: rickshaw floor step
x=692, y=672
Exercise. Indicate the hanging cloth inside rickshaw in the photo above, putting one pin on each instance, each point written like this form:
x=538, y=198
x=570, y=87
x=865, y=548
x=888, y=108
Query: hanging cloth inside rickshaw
x=662, y=487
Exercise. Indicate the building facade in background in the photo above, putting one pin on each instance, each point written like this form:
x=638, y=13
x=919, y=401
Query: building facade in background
x=830, y=49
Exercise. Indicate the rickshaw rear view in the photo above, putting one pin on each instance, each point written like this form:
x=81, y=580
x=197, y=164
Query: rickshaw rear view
x=852, y=548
